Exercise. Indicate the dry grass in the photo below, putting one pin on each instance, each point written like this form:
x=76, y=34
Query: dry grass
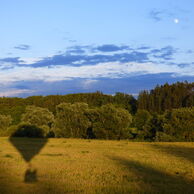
x=96, y=166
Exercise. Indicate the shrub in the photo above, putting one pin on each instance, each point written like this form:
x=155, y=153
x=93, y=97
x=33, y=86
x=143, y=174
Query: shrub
x=27, y=130
x=5, y=121
x=163, y=137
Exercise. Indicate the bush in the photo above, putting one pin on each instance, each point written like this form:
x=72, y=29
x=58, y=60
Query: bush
x=163, y=137
x=5, y=121
x=27, y=130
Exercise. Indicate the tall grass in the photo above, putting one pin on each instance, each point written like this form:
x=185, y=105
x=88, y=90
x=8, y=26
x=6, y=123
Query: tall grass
x=96, y=166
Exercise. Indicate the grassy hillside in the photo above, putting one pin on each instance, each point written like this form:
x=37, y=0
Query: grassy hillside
x=96, y=166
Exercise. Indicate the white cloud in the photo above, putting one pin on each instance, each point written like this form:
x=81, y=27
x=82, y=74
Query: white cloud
x=29, y=61
x=89, y=83
x=14, y=92
x=6, y=65
x=110, y=70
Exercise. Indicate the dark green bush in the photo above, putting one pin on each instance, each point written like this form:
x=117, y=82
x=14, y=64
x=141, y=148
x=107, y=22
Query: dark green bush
x=27, y=130
x=163, y=137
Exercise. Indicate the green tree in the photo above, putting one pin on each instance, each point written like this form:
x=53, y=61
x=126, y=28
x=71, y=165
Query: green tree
x=40, y=117
x=140, y=121
x=71, y=120
x=167, y=97
x=180, y=123
x=153, y=126
x=109, y=122
x=141, y=118
x=126, y=101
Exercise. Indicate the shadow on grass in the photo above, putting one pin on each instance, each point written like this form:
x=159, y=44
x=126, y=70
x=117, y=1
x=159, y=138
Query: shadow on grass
x=11, y=183
x=4, y=184
x=177, y=151
x=29, y=148
x=30, y=176
x=152, y=180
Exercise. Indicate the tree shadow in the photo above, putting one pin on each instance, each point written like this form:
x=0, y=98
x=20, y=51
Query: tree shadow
x=153, y=180
x=177, y=151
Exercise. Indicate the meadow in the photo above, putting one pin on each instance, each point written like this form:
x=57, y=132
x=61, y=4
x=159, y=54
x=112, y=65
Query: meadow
x=95, y=166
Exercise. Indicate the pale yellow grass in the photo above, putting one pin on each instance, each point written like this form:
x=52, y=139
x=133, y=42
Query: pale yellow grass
x=96, y=166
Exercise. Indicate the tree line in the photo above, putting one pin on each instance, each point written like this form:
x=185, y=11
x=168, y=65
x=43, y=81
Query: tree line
x=178, y=95
x=165, y=113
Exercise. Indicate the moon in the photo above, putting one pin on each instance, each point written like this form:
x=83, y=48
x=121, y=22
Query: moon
x=176, y=21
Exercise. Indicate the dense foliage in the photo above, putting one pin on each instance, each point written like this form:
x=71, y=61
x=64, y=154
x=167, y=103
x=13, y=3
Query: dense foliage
x=28, y=130
x=40, y=117
x=179, y=123
x=178, y=95
x=5, y=122
x=15, y=107
x=109, y=122
x=71, y=120
x=165, y=113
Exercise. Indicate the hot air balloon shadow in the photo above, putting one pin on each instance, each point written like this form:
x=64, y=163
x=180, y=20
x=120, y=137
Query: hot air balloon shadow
x=29, y=148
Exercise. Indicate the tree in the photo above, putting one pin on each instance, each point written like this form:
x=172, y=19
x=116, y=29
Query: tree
x=40, y=117
x=141, y=118
x=71, y=120
x=153, y=126
x=167, y=97
x=110, y=122
x=126, y=101
x=180, y=123
x=140, y=121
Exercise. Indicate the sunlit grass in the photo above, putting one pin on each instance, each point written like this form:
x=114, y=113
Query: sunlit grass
x=96, y=166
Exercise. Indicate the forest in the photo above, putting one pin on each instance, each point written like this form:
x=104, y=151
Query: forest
x=165, y=113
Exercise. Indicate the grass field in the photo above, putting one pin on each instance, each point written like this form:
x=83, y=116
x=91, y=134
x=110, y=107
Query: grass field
x=96, y=166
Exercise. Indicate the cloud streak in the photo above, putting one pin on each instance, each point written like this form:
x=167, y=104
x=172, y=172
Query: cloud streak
x=158, y=15
x=101, y=70
x=111, y=48
x=92, y=55
x=23, y=47
x=14, y=92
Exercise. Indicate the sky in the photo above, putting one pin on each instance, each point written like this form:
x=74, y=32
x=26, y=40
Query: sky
x=61, y=47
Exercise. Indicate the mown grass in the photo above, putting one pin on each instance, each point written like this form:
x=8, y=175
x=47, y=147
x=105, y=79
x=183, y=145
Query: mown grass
x=96, y=166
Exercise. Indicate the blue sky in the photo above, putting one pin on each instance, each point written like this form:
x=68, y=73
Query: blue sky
x=60, y=47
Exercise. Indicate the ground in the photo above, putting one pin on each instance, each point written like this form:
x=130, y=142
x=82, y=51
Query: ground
x=95, y=166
